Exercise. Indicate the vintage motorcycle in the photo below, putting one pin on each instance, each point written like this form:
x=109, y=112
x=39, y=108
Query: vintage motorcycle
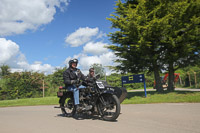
x=99, y=99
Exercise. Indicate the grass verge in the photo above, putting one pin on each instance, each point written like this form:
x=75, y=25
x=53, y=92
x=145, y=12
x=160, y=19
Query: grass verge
x=29, y=102
x=132, y=98
x=166, y=97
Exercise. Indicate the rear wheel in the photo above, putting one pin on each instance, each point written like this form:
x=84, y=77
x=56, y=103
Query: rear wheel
x=67, y=106
x=109, y=107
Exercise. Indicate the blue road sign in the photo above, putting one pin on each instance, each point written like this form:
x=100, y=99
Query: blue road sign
x=139, y=78
x=133, y=79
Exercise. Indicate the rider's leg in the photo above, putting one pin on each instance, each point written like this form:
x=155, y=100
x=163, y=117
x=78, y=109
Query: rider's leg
x=81, y=87
x=75, y=91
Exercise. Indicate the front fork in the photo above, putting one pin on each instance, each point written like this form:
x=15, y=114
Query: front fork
x=102, y=100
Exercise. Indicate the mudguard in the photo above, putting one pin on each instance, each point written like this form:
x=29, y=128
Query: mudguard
x=121, y=93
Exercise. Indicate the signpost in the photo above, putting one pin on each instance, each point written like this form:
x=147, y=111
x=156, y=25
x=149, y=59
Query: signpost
x=139, y=78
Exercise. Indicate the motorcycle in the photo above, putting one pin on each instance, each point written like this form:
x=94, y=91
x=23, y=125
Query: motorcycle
x=99, y=99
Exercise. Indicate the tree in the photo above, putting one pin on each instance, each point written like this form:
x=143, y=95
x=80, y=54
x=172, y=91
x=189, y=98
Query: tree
x=148, y=36
x=137, y=40
x=98, y=69
x=23, y=84
x=57, y=77
x=182, y=38
x=5, y=70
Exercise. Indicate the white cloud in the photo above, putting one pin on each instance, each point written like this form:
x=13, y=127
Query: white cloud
x=81, y=36
x=86, y=61
x=11, y=55
x=93, y=52
x=38, y=66
x=8, y=50
x=95, y=48
x=17, y=16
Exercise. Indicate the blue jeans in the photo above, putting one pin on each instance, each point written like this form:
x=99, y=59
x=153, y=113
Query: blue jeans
x=75, y=91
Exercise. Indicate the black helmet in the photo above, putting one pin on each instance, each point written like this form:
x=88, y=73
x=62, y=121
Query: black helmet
x=73, y=61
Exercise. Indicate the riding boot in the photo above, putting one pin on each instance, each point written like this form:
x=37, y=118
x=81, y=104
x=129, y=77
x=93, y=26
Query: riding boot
x=78, y=108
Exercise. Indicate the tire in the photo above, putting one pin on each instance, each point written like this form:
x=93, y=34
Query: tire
x=112, y=103
x=67, y=106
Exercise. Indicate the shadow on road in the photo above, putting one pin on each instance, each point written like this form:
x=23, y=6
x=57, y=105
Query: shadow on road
x=84, y=117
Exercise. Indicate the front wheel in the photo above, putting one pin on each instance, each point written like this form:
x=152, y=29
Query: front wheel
x=109, y=107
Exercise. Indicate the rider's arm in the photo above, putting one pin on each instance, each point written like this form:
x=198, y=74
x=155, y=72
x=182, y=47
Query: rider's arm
x=66, y=78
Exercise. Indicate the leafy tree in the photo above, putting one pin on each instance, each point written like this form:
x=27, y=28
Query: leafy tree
x=137, y=45
x=5, y=70
x=98, y=69
x=181, y=41
x=24, y=84
x=57, y=77
x=154, y=36
x=3, y=91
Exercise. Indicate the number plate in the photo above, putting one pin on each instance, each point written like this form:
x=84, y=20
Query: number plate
x=100, y=85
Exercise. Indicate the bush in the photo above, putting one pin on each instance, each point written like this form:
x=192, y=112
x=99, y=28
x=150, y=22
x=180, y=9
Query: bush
x=23, y=85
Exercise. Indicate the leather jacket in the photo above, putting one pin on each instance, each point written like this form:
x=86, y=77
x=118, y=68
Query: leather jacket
x=90, y=80
x=72, y=74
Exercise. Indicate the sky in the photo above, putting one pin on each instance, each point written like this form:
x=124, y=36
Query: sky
x=42, y=35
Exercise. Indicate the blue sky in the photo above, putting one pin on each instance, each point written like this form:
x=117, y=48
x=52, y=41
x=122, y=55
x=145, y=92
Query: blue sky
x=41, y=35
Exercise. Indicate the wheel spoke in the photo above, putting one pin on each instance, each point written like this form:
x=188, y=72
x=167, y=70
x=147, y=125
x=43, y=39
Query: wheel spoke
x=68, y=108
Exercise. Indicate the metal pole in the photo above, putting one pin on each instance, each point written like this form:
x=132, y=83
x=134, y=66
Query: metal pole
x=145, y=90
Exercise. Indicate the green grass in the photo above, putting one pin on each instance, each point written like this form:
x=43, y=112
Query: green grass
x=166, y=97
x=142, y=88
x=132, y=98
x=30, y=102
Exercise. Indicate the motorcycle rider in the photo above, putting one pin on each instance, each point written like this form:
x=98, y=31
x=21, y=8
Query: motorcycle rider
x=72, y=77
x=90, y=79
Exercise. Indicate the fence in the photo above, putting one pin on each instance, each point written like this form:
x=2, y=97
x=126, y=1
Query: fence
x=190, y=79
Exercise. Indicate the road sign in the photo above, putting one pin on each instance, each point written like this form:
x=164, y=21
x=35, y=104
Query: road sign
x=133, y=79
x=139, y=78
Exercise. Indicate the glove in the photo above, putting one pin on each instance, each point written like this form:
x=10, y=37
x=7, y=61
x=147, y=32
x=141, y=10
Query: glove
x=74, y=81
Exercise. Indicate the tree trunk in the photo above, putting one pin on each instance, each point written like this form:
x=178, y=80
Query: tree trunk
x=171, y=78
x=158, y=83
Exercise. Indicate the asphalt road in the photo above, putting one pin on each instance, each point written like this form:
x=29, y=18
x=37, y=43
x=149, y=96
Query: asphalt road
x=140, y=118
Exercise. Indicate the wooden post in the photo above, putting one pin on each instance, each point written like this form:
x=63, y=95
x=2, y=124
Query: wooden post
x=195, y=79
x=180, y=80
x=43, y=87
x=189, y=79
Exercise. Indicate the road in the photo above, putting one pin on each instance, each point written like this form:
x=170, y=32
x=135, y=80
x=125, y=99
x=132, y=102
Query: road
x=139, y=118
